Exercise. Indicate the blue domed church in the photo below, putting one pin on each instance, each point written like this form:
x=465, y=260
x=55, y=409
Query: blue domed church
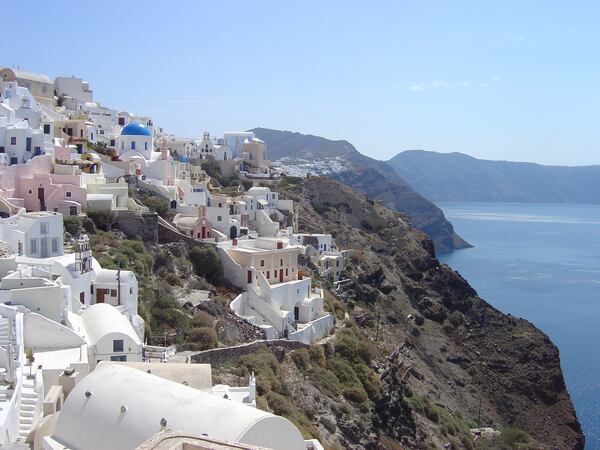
x=136, y=138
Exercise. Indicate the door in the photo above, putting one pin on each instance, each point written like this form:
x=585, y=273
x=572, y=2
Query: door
x=296, y=313
x=82, y=298
x=203, y=232
x=99, y=295
x=44, y=247
x=281, y=275
x=41, y=194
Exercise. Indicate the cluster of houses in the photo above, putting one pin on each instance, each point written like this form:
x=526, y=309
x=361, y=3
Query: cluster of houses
x=74, y=370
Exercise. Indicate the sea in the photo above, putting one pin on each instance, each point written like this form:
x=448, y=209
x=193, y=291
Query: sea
x=541, y=262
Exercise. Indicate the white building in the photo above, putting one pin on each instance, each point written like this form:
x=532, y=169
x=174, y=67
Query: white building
x=211, y=149
x=277, y=297
x=73, y=87
x=110, y=334
x=119, y=407
x=136, y=140
x=23, y=131
x=235, y=141
x=33, y=234
x=39, y=85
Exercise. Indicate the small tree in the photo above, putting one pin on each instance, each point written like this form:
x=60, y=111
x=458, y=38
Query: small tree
x=206, y=263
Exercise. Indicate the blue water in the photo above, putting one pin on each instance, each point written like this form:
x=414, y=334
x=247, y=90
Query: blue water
x=541, y=262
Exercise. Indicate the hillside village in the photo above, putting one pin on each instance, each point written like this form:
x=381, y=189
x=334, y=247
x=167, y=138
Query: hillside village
x=65, y=320
x=162, y=292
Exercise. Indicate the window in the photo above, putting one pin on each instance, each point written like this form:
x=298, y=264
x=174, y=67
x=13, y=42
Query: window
x=219, y=218
x=122, y=145
x=119, y=358
x=13, y=140
x=2, y=149
x=46, y=128
x=286, y=272
x=30, y=191
x=44, y=227
x=130, y=291
x=268, y=274
x=145, y=146
x=113, y=292
x=337, y=264
x=117, y=345
x=106, y=291
x=262, y=263
x=33, y=245
x=132, y=145
x=72, y=210
x=54, y=245
x=92, y=289
x=68, y=194
x=44, y=88
x=281, y=262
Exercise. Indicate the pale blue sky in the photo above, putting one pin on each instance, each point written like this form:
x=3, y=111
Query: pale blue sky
x=511, y=80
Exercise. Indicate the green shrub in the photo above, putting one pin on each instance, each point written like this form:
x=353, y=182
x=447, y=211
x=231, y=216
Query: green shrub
x=203, y=319
x=206, y=263
x=172, y=279
x=103, y=219
x=73, y=224
x=513, y=436
x=280, y=405
x=351, y=346
x=317, y=355
x=355, y=395
x=301, y=359
x=371, y=383
x=326, y=381
x=203, y=338
x=266, y=368
x=158, y=205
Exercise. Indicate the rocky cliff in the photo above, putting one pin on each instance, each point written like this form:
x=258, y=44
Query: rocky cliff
x=374, y=178
x=446, y=360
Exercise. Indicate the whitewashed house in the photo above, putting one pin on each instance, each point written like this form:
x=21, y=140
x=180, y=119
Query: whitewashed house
x=33, y=234
x=277, y=297
x=23, y=131
x=73, y=87
x=109, y=334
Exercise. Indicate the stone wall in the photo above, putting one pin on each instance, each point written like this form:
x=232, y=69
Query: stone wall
x=218, y=356
x=134, y=223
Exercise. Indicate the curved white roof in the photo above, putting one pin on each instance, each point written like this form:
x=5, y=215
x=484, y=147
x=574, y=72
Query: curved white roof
x=103, y=319
x=126, y=407
x=109, y=276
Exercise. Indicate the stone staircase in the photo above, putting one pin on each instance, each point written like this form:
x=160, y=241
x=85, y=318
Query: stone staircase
x=29, y=400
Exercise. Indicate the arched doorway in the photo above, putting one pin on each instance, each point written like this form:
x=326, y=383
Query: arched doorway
x=233, y=233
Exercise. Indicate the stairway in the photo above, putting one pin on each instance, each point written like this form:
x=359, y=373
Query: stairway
x=29, y=399
x=5, y=332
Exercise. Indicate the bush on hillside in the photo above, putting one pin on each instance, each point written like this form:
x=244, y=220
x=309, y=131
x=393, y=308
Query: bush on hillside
x=202, y=338
x=103, y=219
x=73, y=224
x=206, y=263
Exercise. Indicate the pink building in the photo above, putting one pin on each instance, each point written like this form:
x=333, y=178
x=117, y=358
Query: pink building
x=34, y=187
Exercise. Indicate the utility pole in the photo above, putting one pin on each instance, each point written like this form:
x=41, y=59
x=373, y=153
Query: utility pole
x=119, y=285
x=377, y=318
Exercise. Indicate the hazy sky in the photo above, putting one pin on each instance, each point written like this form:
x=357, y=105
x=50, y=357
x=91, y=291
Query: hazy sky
x=494, y=79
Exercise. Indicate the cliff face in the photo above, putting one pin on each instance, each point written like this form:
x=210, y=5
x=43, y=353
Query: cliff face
x=439, y=343
x=458, y=177
x=374, y=178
